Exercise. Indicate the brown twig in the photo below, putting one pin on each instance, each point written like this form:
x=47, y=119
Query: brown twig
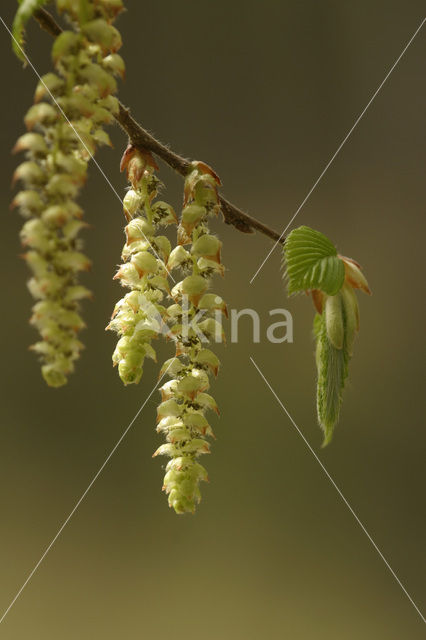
x=139, y=137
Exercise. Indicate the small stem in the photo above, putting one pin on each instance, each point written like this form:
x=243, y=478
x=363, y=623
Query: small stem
x=140, y=138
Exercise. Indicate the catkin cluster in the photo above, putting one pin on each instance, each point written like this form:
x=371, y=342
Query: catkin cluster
x=138, y=316
x=57, y=152
x=194, y=321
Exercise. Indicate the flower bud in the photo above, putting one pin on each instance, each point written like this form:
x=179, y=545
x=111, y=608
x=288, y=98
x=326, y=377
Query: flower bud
x=192, y=215
x=144, y=263
x=131, y=203
x=212, y=302
x=75, y=293
x=193, y=383
x=168, y=390
x=207, y=402
x=72, y=228
x=103, y=34
x=101, y=137
x=62, y=185
x=53, y=376
x=159, y=282
x=178, y=257
x=169, y=422
x=29, y=173
x=33, y=142
x=28, y=201
x=208, y=267
x=207, y=359
x=115, y=64
x=177, y=435
x=73, y=260
x=194, y=286
x=168, y=408
x=212, y=329
x=162, y=246
x=129, y=372
x=163, y=213
x=197, y=422
x=56, y=215
x=128, y=274
x=207, y=246
x=172, y=367
x=67, y=43
x=138, y=229
x=94, y=75
x=40, y=114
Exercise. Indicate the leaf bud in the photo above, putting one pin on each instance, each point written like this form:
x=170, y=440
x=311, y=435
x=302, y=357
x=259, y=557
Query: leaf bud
x=354, y=275
x=334, y=320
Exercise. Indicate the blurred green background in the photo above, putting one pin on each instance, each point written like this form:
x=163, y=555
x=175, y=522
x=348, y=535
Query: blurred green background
x=264, y=92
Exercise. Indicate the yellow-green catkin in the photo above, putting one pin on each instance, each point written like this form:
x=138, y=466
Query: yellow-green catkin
x=194, y=319
x=65, y=125
x=138, y=316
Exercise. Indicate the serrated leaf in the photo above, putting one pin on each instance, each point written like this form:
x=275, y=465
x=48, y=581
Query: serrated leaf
x=25, y=11
x=312, y=262
x=332, y=367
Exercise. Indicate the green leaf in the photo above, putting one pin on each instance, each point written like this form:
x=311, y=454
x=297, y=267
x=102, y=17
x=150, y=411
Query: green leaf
x=312, y=262
x=332, y=366
x=25, y=11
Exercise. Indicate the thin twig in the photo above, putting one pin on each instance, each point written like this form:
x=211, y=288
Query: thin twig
x=139, y=137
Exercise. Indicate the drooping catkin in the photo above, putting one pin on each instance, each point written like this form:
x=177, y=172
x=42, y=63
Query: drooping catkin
x=194, y=321
x=65, y=125
x=138, y=316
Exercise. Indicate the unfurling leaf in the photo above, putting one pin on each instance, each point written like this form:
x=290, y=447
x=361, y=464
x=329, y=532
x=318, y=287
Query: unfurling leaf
x=312, y=262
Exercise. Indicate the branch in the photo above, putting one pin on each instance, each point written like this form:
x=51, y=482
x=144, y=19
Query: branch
x=139, y=137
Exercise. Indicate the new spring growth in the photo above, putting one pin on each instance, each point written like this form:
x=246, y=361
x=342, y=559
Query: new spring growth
x=193, y=318
x=335, y=327
x=138, y=316
x=313, y=265
x=57, y=152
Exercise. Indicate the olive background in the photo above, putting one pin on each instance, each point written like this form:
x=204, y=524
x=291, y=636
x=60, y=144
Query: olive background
x=264, y=92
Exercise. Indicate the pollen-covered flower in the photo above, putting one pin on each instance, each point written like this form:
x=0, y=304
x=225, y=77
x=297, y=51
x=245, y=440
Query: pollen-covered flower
x=138, y=316
x=194, y=319
x=58, y=146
